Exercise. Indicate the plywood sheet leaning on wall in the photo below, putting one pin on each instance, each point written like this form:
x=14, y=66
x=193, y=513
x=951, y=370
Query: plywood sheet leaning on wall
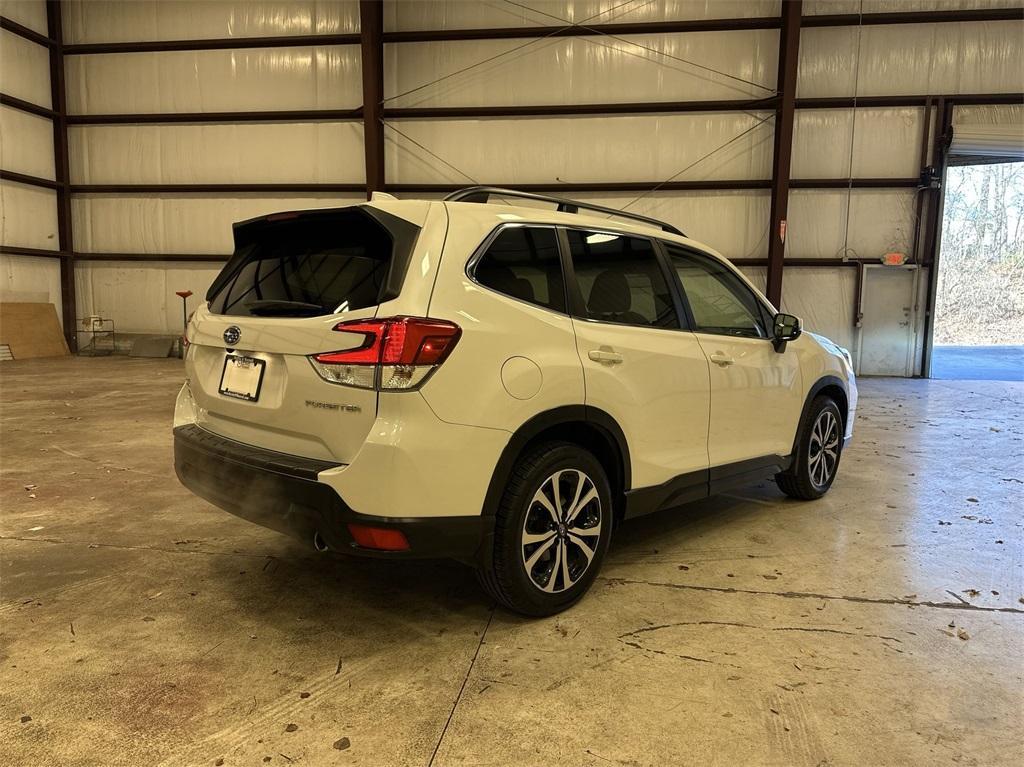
x=31, y=330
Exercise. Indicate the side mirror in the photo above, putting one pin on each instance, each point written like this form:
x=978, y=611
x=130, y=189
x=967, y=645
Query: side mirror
x=786, y=327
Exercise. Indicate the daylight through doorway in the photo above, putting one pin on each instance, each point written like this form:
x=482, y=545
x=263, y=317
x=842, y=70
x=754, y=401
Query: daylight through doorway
x=979, y=306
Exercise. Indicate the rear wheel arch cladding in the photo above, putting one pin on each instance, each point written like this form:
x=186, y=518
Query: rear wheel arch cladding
x=590, y=428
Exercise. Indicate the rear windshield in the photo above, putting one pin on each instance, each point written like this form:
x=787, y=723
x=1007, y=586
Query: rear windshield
x=305, y=266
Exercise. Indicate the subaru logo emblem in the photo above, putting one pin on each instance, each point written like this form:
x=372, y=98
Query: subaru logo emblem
x=232, y=335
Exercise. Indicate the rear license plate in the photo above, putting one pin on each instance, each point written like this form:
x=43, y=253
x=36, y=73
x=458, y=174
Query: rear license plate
x=242, y=377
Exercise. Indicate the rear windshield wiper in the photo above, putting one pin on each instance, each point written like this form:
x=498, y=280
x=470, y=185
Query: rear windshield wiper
x=271, y=307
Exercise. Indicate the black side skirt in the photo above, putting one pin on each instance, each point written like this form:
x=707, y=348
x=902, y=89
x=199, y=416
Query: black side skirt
x=696, y=485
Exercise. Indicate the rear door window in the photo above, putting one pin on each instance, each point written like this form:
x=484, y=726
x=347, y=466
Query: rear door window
x=305, y=265
x=523, y=262
x=620, y=280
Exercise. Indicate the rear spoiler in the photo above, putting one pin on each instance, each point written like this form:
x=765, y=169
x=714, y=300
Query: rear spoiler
x=402, y=233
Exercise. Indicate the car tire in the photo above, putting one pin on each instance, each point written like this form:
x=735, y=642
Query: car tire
x=547, y=551
x=818, y=450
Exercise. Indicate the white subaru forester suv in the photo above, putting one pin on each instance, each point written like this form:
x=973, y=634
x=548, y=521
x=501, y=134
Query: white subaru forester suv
x=501, y=384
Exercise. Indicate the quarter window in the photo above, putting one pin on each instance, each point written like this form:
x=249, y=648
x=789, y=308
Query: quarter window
x=620, y=280
x=718, y=299
x=522, y=262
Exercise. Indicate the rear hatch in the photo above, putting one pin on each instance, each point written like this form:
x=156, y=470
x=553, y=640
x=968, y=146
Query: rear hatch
x=292, y=278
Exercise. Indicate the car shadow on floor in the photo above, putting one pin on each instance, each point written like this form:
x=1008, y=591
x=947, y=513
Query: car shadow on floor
x=297, y=584
x=684, y=528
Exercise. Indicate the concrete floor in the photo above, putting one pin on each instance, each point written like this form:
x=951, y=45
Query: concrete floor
x=140, y=626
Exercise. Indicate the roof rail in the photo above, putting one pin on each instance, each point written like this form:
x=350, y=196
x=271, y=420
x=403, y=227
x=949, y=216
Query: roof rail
x=484, y=193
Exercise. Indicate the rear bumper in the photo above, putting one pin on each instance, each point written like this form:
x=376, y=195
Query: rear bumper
x=281, y=492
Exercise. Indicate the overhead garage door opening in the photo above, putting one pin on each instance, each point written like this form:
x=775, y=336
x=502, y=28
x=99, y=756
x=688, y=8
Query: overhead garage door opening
x=979, y=309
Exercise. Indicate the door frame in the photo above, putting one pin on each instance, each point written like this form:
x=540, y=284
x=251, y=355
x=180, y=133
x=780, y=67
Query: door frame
x=933, y=286
x=936, y=262
x=913, y=332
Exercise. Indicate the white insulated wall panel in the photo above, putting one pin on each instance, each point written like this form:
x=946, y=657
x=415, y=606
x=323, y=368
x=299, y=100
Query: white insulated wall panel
x=821, y=7
x=733, y=223
x=28, y=216
x=406, y=15
x=880, y=221
x=101, y=21
x=26, y=143
x=757, y=275
x=1011, y=115
x=578, y=149
x=823, y=298
x=175, y=223
x=886, y=143
x=580, y=70
x=28, y=13
x=30, y=279
x=24, y=69
x=221, y=153
x=140, y=297
x=969, y=57
x=258, y=79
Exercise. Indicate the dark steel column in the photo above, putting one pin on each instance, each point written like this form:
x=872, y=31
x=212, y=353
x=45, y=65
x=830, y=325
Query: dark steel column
x=69, y=306
x=943, y=137
x=915, y=255
x=933, y=233
x=789, y=58
x=371, y=26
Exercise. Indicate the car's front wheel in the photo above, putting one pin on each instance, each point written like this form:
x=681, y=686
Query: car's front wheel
x=551, y=532
x=819, y=448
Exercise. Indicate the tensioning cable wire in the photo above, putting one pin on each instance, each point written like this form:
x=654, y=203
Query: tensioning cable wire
x=512, y=50
x=432, y=154
x=699, y=160
x=583, y=25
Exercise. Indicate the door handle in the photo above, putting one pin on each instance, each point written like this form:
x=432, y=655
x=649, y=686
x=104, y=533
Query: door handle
x=722, y=359
x=601, y=355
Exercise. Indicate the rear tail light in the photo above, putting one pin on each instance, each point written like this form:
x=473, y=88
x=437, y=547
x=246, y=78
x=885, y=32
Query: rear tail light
x=396, y=354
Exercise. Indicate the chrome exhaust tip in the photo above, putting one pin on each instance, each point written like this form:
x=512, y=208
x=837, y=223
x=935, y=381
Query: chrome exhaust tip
x=318, y=542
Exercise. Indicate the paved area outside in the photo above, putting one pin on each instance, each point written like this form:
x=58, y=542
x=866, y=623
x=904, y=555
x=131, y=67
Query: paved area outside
x=978, y=363
x=882, y=625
